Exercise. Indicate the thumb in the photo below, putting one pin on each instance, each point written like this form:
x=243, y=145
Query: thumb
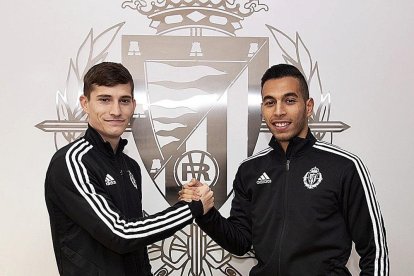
x=192, y=183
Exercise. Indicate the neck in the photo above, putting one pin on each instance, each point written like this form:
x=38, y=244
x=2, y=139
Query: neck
x=114, y=145
x=113, y=141
x=284, y=145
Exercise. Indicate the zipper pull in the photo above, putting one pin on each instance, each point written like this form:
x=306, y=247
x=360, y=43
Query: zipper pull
x=121, y=172
x=287, y=164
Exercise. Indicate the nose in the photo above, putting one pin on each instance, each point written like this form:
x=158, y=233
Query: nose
x=279, y=109
x=115, y=109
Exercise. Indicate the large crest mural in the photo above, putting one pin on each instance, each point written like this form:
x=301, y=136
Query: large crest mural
x=197, y=87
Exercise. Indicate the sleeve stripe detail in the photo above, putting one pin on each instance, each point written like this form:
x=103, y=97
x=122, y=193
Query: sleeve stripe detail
x=381, y=255
x=260, y=153
x=98, y=203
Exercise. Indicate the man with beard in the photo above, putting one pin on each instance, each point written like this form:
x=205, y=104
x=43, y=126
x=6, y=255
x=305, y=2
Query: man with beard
x=299, y=203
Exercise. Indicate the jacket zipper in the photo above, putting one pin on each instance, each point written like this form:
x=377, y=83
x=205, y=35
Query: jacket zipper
x=120, y=162
x=284, y=214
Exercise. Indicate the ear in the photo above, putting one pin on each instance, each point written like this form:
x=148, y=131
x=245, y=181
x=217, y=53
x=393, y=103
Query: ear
x=84, y=103
x=261, y=110
x=309, y=107
x=134, y=104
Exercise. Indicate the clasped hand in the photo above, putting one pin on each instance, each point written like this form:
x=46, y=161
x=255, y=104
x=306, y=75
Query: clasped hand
x=195, y=190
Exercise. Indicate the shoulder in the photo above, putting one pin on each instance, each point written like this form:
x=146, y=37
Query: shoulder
x=257, y=157
x=337, y=153
x=71, y=152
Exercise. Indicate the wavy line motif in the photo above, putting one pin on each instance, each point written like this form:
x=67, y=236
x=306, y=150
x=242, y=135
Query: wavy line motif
x=182, y=73
x=196, y=103
x=159, y=112
x=159, y=92
x=167, y=127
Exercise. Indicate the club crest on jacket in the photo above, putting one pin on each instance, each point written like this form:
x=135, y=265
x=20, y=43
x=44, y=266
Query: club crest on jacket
x=312, y=178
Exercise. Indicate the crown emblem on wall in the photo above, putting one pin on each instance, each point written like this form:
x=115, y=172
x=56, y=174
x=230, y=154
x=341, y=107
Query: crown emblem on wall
x=224, y=16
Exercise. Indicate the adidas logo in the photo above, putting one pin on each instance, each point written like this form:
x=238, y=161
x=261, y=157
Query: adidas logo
x=109, y=180
x=264, y=178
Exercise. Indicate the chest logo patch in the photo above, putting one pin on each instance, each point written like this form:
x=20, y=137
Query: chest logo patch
x=109, y=180
x=263, y=179
x=312, y=178
x=133, y=181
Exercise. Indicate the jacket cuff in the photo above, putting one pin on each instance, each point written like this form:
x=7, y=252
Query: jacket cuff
x=196, y=208
x=207, y=217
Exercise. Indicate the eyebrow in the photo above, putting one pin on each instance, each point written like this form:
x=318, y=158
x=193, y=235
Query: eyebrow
x=110, y=96
x=288, y=94
x=291, y=94
x=103, y=96
x=268, y=98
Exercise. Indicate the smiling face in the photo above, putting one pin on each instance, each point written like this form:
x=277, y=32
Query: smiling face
x=109, y=110
x=285, y=110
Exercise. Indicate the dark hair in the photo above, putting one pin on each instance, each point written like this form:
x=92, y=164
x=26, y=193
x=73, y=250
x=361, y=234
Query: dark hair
x=106, y=74
x=286, y=70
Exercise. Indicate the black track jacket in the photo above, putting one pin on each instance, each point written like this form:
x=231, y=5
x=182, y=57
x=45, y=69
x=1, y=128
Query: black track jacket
x=93, y=196
x=301, y=211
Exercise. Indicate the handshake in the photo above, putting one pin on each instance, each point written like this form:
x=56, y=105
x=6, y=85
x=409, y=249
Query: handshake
x=195, y=190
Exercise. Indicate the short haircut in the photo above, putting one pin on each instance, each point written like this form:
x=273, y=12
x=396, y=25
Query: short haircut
x=106, y=74
x=286, y=70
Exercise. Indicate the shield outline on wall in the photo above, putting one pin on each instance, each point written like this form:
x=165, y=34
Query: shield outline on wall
x=248, y=55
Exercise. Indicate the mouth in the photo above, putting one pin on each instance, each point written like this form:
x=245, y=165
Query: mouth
x=281, y=125
x=116, y=122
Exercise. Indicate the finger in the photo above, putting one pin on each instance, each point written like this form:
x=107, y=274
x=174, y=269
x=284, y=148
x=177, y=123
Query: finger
x=187, y=197
x=186, y=187
x=196, y=198
x=205, y=196
x=193, y=183
x=184, y=199
x=196, y=183
x=203, y=189
x=188, y=192
x=211, y=201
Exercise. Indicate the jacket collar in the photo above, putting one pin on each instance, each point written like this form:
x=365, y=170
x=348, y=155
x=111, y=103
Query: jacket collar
x=96, y=140
x=297, y=146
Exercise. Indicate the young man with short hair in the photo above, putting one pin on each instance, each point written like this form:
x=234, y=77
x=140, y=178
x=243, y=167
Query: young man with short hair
x=93, y=189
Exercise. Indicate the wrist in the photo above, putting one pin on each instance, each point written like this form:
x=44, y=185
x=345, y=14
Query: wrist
x=196, y=208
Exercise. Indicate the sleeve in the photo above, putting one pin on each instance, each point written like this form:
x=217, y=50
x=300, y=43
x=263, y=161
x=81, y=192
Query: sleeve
x=74, y=190
x=233, y=233
x=364, y=220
